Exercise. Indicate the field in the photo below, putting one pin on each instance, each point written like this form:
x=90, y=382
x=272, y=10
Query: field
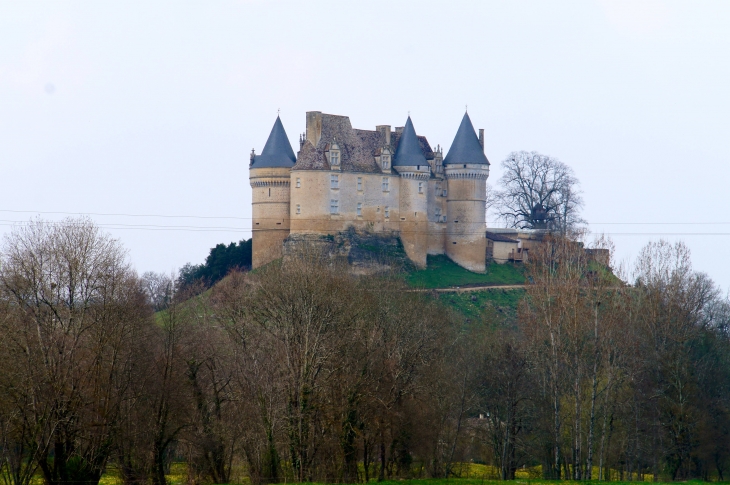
x=463, y=474
x=441, y=272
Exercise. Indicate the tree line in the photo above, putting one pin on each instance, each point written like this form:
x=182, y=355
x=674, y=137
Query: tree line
x=304, y=372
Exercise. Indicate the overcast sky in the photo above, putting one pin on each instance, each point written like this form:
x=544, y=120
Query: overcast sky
x=152, y=108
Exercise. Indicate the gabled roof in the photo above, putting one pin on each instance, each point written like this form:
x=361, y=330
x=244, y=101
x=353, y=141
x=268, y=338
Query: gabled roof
x=277, y=152
x=466, y=147
x=409, y=151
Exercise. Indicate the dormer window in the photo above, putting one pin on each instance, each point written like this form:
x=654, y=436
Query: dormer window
x=334, y=154
x=385, y=158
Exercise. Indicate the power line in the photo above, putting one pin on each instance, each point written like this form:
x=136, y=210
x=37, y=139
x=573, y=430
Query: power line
x=179, y=216
x=246, y=230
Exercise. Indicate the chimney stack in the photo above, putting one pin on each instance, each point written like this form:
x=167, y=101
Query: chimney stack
x=481, y=137
x=314, y=126
x=385, y=130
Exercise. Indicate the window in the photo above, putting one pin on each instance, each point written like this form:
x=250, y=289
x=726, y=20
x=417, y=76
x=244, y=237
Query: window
x=438, y=213
x=334, y=158
x=386, y=184
x=438, y=187
x=359, y=209
x=334, y=181
x=299, y=209
x=299, y=182
x=386, y=162
x=387, y=212
x=420, y=187
x=444, y=193
x=359, y=183
x=334, y=206
x=443, y=218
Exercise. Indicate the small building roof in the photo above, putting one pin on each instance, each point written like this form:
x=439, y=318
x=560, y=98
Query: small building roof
x=493, y=236
x=277, y=152
x=466, y=147
x=409, y=151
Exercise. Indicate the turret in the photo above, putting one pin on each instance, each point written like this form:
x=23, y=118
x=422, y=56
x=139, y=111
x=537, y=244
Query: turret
x=269, y=177
x=466, y=169
x=414, y=170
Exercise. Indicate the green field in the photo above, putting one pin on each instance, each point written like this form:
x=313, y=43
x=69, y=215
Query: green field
x=441, y=272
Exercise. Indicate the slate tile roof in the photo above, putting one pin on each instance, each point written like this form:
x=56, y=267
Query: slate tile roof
x=277, y=152
x=466, y=147
x=358, y=148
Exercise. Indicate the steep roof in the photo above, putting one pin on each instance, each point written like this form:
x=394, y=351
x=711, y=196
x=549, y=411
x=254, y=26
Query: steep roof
x=466, y=147
x=277, y=152
x=358, y=148
x=409, y=151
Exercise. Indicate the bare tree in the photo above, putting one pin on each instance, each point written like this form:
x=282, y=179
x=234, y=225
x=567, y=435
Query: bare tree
x=159, y=288
x=539, y=192
x=77, y=310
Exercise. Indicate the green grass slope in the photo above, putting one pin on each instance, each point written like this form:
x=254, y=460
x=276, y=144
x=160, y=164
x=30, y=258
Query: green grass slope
x=492, y=304
x=441, y=272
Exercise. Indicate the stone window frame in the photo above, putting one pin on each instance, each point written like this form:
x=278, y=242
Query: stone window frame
x=438, y=214
x=299, y=208
x=334, y=181
x=334, y=155
x=359, y=209
x=387, y=212
x=420, y=188
x=359, y=184
x=385, y=184
x=298, y=183
x=334, y=206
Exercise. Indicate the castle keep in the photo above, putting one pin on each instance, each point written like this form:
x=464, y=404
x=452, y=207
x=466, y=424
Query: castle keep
x=383, y=181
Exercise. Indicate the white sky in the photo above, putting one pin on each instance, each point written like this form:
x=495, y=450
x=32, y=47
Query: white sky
x=153, y=107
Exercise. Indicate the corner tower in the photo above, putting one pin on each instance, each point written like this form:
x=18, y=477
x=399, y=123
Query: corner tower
x=466, y=169
x=269, y=178
x=414, y=171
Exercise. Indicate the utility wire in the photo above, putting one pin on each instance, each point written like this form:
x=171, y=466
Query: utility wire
x=317, y=219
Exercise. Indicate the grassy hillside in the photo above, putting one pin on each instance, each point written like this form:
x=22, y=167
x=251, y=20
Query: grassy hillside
x=493, y=304
x=441, y=272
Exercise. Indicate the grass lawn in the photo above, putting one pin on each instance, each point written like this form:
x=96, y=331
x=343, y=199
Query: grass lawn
x=441, y=272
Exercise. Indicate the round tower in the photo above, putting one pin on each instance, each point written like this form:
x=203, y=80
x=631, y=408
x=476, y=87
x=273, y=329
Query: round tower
x=269, y=175
x=466, y=169
x=414, y=171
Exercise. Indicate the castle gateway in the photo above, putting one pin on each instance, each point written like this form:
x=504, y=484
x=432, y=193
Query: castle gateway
x=379, y=181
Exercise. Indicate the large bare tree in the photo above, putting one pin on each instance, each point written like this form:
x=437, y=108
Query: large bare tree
x=74, y=310
x=538, y=192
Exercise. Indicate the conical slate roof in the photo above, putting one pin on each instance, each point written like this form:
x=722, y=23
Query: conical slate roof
x=409, y=152
x=466, y=147
x=277, y=152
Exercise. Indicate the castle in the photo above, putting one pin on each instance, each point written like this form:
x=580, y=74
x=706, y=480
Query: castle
x=380, y=181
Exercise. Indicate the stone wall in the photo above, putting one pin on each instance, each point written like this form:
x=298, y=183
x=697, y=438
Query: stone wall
x=270, y=211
